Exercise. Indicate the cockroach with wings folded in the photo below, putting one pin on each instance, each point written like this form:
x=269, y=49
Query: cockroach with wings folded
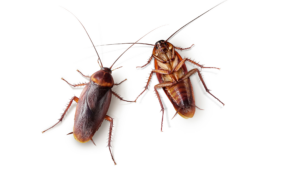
x=94, y=102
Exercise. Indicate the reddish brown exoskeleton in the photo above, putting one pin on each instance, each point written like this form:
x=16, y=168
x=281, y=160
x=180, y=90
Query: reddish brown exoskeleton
x=173, y=76
x=94, y=102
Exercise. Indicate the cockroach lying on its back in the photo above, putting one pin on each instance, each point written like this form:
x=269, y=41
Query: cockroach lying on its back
x=94, y=102
x=173, y=76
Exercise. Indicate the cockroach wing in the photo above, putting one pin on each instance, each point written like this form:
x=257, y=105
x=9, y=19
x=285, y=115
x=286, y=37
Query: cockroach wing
x=91, y=109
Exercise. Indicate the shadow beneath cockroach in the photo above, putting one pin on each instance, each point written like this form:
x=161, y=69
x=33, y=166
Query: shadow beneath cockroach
x=167, y=117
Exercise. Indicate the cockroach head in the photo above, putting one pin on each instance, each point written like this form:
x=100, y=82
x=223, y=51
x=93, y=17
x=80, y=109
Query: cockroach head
x=163, y=46
x=160, y=44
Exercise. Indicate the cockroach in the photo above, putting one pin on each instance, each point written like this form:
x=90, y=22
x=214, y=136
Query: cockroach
x=173, y=75
x=94, y=101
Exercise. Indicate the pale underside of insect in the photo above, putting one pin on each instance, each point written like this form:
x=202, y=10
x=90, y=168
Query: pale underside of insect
x=173, y=75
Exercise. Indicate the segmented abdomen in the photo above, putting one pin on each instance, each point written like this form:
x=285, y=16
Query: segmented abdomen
x=181, y=93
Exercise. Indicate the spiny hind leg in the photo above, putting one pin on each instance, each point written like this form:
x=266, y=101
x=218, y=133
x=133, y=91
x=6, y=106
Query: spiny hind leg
x=191, y=72
x=161, y=105
x=61, y=118
x=109, y=135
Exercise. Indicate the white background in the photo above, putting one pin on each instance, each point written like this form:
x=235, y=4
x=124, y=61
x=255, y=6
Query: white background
x=255, y=43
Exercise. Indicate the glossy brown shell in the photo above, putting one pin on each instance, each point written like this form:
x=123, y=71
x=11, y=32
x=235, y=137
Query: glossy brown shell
x=181, y=94
x=91, y=110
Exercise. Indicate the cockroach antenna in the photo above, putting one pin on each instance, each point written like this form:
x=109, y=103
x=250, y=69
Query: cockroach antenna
x=88, y=36
x=193, y=20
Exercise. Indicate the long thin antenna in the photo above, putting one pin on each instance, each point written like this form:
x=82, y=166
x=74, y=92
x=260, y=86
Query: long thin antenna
x=132, y=45
x=194, y=19
x=125, y=43
x=88, y=36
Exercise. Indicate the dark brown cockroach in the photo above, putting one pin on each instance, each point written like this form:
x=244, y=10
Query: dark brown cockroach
x=94, y=102
x=173, y=76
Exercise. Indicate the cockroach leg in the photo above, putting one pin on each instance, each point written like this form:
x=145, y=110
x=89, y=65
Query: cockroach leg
x=161, y=105
x=201, y=78
x=203, y=67
x=165, y=72
x=179, y=65
x=83, y=74
x=197, y=107
x=176, y=113
x=74, y=85
x=186, y=59
x=70, y=133
x=120, y=97
x=146, y=63
x=120, y=82
x=150, y=76
x=146, y=87
x=159, y=59
x=184, y=48
x=93, y=141
x=76, y=99
x=109, y=135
